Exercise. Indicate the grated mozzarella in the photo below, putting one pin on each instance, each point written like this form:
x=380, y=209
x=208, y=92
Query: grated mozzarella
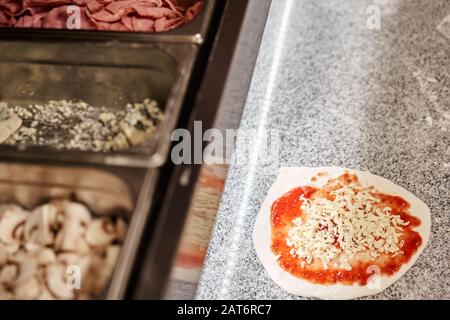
x=352, y=225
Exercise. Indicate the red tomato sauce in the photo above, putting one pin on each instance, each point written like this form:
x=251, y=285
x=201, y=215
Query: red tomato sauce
x=288, y=207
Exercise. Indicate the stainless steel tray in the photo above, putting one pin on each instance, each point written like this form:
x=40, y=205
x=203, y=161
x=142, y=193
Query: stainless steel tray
x=103, y=192
x=193, y=32
x=102, y=73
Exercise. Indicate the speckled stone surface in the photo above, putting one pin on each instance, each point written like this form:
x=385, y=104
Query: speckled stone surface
x=341, y=94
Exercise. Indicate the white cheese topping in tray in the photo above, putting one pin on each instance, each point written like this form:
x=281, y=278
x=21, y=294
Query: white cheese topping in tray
x=79, y=126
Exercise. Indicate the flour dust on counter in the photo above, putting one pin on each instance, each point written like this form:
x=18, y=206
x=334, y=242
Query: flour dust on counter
x=76, y=125
x=336, y=233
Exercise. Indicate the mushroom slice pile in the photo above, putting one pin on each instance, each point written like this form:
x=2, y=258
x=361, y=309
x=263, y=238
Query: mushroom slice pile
x=56, y=251
x=9, y=123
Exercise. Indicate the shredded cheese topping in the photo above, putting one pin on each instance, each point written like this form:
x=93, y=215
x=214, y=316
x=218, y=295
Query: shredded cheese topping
x=350, y=226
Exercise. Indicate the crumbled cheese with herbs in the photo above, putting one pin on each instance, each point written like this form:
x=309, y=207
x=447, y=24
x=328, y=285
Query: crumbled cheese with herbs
x=335, y=232
x=79, y=126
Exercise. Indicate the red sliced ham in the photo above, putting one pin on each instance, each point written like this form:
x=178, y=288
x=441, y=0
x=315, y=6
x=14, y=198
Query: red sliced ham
x=94, y=6
x=116, y=15
x=50, y=3
x=37, y=19
x=127, y=22
x=11, y=7
x=106, y=16
x=115, y=6
x=4, y=19
x=171, y=6
x=142, y=24
x=153, y=12
x=194, y=11
x=165, y=24
x=56, y=18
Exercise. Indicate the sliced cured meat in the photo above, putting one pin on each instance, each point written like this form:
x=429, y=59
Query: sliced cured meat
x=94, y=6
x=24, y=22
x=193, y=11
x=118, y=15
x=171, y=5
x=153, y=12
x=11, y=7
x=142, y=25
x=50, y=3
x=56, y=18
x=126, y=21
x=37, y=19
x=106, y=16
x=115, y=6
x=4, y=19
x=164, y=24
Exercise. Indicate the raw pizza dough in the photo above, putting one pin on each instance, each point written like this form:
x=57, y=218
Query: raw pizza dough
x=289, y=178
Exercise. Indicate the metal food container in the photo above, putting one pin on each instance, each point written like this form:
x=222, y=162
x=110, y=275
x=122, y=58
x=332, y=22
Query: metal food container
x=104, y=69
x=103, y=192
x=108, y=74
x=193, y=31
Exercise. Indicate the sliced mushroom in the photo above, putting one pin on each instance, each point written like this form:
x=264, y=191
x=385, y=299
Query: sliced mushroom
x=9, y=274
x=28, y=290
x=4, y=208
x=8, y=124
x=5, y=294
x=96, y=276
x=27, y=267
x=18, y=255
x=112, y=254
x=37, y=248
x=70, y=238
x=78, y=211
x=104, y=268
x=101, y=232
x=68, y=258
x=39, y=224
x=87, y=267
x=45, y=294
x=84, y=296
x=12, y=248
x=56, y=282
x=11, y=226
x=3, y=255
x=45, y=256
x=32, y=247
x=121, y=229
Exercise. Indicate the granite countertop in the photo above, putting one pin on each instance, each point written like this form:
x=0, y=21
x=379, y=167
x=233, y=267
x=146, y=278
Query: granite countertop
x=341, y=94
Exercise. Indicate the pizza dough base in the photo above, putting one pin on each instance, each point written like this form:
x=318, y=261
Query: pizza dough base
x=289, y=178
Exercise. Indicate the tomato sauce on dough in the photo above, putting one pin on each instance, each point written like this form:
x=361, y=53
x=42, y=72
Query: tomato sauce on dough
x=288, y=207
